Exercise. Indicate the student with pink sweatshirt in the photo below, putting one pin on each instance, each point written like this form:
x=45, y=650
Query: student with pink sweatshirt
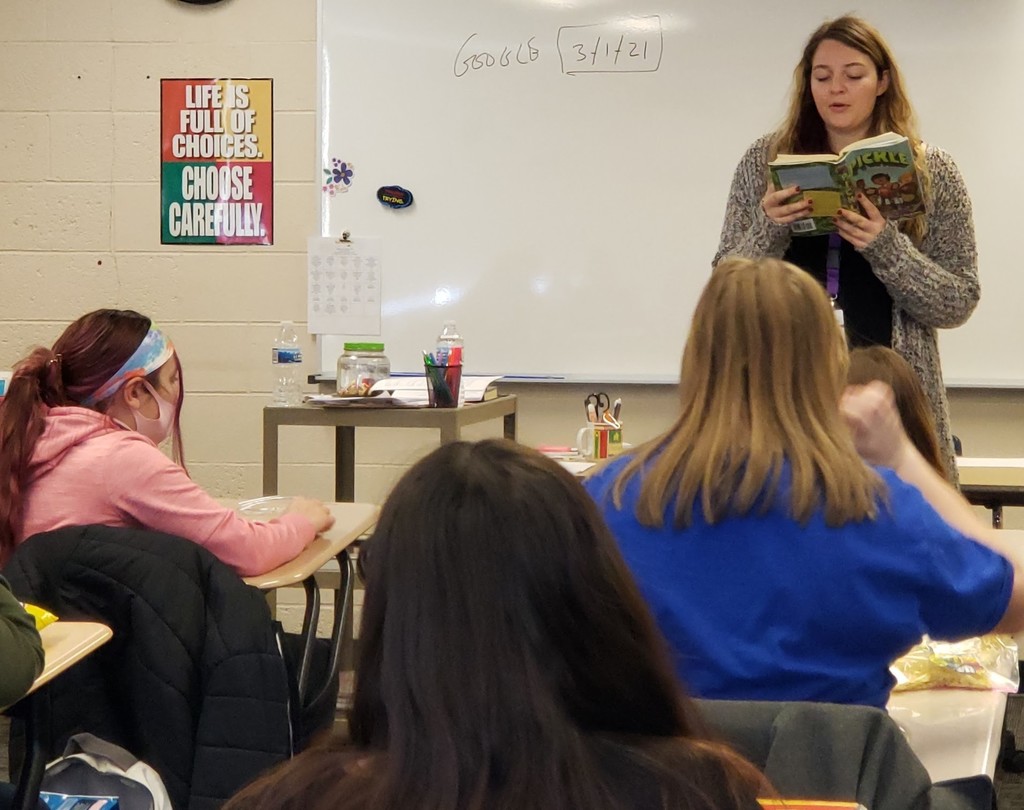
x=79, y=429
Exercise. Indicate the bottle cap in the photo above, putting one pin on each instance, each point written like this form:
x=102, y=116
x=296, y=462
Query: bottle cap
x=364, y=347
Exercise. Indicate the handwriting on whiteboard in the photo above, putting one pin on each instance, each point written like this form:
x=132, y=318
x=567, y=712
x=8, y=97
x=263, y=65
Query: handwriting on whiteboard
x=512, y=54
x=627, y=46
x=632, y=45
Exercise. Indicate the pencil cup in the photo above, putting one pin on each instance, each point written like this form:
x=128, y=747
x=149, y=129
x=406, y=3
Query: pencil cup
x=599, y=440
x=443, y=385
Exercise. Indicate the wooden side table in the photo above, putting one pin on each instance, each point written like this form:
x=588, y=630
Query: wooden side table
x=345, y=420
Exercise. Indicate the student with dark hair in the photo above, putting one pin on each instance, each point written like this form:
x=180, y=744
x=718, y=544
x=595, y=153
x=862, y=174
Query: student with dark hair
x=881, y=363
x=780, y=565
x=507, y=661
x=79, y=429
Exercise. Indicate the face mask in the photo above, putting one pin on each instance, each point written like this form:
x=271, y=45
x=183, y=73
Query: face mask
x=156, y=430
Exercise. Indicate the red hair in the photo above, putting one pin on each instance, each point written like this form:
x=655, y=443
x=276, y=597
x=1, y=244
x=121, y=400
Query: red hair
x=88, y=353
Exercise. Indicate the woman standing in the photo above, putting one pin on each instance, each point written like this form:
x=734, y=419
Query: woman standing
x=895, y=284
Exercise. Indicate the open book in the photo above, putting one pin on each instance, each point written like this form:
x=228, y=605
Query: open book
x=882, y=168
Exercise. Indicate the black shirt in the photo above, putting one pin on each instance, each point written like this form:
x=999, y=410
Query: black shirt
x=864, y=300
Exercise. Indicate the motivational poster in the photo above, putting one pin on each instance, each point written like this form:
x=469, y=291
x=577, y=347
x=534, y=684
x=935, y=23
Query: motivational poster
x=217, y=174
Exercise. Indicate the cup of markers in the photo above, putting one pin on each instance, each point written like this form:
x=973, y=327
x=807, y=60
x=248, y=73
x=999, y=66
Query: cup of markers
x=444, y=377
x=601, y=437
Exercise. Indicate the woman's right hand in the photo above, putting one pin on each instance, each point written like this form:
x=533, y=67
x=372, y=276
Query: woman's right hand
x=318, y=514
x=778, y=210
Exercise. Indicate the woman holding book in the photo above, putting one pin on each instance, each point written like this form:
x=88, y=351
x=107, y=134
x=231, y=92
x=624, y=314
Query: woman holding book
x=894, y=284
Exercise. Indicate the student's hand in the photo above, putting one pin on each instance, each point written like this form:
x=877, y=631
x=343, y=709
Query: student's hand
x=878, y=434
x=858, y=229
x=778, y=210
x=318, y=514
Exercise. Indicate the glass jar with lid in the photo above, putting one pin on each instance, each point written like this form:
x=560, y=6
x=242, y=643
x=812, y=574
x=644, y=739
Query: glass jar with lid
x=359, y=367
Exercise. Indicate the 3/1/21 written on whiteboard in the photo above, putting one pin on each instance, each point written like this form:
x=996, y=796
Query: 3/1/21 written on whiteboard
x=626, y=46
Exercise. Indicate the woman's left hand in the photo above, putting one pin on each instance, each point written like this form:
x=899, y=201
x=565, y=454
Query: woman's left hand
x=858, y=229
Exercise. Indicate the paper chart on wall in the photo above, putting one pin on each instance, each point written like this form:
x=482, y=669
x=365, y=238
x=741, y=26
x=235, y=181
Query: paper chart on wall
x=343, y=285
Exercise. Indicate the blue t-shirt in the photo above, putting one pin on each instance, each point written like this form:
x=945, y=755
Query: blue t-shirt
x=762, y=608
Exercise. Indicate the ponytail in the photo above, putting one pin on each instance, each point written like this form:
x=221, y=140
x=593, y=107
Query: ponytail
x=36, y=386
x=88, y=353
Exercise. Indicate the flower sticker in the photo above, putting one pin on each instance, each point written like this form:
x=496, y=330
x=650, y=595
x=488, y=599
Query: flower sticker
x=338, y=178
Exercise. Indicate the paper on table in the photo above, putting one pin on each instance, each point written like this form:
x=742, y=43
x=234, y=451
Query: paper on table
x=576, y=467
x=414, y=388
x=343, y=285
x=379, y=401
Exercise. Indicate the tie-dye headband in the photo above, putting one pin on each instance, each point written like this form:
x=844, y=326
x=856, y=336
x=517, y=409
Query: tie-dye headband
x=153, y=352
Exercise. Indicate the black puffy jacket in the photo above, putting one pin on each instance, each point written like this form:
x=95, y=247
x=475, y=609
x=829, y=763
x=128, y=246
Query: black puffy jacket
x=192, y=682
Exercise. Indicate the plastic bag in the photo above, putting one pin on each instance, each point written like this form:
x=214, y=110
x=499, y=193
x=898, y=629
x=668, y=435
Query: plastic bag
x=42, y=616
x=983, y=662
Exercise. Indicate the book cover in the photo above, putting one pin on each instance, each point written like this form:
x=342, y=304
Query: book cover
x=882, y=168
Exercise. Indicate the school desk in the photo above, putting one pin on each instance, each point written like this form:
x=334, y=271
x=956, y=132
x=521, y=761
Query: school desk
x=448, y=421
x=350, y=521
x=64, y=644
x=992, y=483
x=954, y=732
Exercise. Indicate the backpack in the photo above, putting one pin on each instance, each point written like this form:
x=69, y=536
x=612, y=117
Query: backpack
x=90, y=766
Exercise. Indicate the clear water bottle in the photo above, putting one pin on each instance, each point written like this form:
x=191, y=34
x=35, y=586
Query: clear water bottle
x=450, y=353
x=287, y=361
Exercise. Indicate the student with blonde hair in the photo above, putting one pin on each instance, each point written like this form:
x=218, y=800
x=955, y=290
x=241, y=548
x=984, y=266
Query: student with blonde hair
x=780, y=565
x=869, y=363
x=894, y=283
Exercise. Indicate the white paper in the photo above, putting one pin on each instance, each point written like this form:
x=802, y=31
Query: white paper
x=415, y=386
x=343, y=285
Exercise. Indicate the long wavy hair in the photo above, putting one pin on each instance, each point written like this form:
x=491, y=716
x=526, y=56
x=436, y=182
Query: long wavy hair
x=507, y=659
x=803, y=131
x=763, y=370
x=869, y=363
x=88, y=353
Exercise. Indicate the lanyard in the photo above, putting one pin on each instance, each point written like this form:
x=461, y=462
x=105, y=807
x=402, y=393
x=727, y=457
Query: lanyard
x=832, y=266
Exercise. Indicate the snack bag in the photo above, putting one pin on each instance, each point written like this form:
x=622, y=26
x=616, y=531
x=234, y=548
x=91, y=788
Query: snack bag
x=42, y=616
x=982, y=662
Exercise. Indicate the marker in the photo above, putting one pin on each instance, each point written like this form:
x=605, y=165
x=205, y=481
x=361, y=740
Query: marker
x=591, y=413
x=616, y=407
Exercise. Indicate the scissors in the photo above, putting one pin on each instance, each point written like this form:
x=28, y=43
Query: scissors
x=597, y=405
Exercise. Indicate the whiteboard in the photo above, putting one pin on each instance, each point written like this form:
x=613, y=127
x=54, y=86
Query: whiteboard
x=570, y=163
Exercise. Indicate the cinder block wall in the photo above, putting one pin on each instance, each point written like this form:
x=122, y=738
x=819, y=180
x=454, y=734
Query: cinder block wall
x=79, y=229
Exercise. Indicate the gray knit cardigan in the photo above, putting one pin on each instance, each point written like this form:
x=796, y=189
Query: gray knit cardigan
x=934, y=286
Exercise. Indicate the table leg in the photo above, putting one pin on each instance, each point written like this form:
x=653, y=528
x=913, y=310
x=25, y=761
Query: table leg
x=345, y=464
x=510, y=426
x=309, y=624
x=449, y=432
x=270, y=431
x=341, y=631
